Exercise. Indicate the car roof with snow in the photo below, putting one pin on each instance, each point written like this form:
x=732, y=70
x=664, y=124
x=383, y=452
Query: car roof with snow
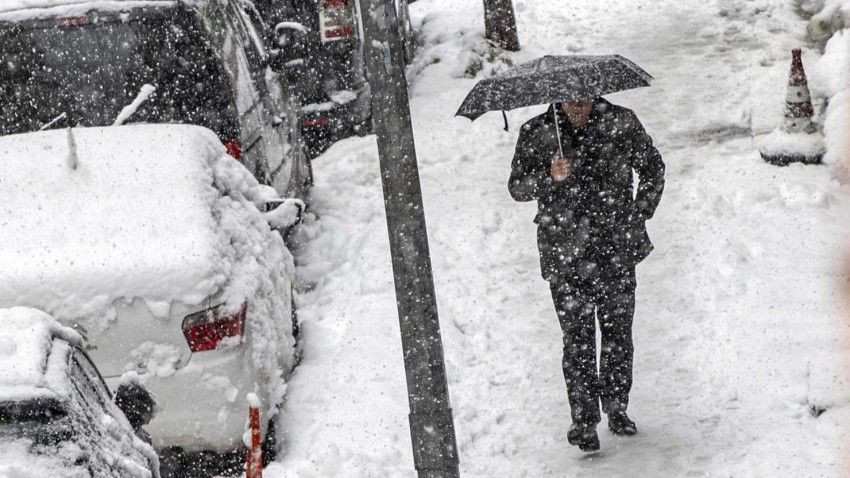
x=92, y=215
x=33, y=362
x=21, y=10
x=13, y=5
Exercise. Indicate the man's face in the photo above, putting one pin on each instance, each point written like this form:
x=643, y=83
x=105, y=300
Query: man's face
x=579, y=110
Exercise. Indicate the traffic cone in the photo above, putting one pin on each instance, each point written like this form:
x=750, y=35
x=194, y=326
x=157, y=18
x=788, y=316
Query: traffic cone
x=254, y=456
x=798, y=99
x=797, y=139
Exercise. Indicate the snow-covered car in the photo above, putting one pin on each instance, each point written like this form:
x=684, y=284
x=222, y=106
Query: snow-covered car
x=82, y=62
x=157, y=248
x=57, y=417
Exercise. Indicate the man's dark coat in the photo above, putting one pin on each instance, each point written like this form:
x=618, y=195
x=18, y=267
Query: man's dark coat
x=590, y=224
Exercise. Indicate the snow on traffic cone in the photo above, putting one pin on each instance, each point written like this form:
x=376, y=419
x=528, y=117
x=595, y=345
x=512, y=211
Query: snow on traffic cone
x=797, y=139
x=254, y=456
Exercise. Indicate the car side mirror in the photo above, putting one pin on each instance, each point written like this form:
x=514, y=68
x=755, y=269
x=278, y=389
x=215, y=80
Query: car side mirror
x=291, y=49
x=283, y=214
x=137, y=404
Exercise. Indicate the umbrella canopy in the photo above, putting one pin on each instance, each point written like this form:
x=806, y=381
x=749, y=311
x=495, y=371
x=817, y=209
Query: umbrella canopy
x=552, y=79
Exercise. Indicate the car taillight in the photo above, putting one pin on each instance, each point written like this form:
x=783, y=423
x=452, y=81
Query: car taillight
x=314, y=122
x=72, y=21
x=234, y=148
x=207, y=329
x=337, y=19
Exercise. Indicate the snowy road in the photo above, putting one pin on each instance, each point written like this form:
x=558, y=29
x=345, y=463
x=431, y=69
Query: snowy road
x=739, y=343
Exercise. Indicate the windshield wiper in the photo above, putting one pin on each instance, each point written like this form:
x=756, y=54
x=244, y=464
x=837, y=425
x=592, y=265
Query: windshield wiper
x=144, y=93
x=54, y=121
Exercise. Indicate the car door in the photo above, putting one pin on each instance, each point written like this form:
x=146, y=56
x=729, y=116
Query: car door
x=230, y=43
x=282, y=138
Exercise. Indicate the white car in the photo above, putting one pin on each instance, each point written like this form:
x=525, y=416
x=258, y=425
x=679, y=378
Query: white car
x=158, y=249
x=57, y=418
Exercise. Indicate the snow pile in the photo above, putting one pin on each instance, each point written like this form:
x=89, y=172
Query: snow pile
x=780, y=143
x=831, y=79
x=827, y=17
x=345, y=412
x=143, y=217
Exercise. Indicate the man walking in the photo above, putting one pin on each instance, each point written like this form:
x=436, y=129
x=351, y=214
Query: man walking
x=577, y=160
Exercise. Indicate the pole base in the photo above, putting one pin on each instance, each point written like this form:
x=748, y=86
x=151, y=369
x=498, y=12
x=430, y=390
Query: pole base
x=786, y=159
x=434, y=447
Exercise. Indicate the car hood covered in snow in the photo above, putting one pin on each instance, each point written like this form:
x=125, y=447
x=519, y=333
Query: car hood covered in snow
x=97, y=214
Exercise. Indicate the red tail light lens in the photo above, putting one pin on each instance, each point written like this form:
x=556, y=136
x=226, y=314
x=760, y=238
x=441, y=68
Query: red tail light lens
x=72, y=21
x=314, y=122
x=206, y=330
x=337, y=19
x=234, y=148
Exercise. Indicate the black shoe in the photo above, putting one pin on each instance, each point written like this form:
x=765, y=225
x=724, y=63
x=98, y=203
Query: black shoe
x=584, y=437
x=620, y=424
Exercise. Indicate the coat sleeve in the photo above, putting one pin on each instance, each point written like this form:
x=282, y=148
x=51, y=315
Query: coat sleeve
x=530, y=177
x=647, y=162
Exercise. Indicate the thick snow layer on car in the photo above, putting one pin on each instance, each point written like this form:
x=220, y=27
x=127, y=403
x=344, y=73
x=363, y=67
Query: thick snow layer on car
x=132, y=220
x=26, y=339
x=19, y=10
x=16, y=461
x=157, y=213
x=34, y=364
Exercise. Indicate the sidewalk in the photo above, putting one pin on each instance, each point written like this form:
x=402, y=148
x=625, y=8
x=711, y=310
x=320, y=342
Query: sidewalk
x=738, y=340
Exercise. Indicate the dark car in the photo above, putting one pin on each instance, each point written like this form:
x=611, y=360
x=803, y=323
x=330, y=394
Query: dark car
x=57, y=417
x=83, y=63
x=336, y=98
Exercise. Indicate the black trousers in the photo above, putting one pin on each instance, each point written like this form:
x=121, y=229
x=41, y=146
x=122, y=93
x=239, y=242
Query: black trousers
x=611, y=300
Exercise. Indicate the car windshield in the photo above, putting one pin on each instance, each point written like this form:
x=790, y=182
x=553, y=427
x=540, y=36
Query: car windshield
x=90, y=70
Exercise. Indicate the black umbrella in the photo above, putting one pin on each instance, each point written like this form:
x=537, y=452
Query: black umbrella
x=553, y=79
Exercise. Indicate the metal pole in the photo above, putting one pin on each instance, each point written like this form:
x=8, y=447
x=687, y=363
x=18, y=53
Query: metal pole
x=431, y=424
x=500, y=24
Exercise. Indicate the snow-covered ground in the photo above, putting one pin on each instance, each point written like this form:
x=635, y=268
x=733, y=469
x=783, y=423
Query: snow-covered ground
x=740, y=343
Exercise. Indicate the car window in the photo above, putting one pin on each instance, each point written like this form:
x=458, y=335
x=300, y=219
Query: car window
x=236, y=64
x=255, y=29
x=91, y=371
x=88, y=381
x=90, y=72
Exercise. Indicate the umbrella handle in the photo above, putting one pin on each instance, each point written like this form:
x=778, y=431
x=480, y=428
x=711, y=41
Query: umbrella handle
x=557, y=129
